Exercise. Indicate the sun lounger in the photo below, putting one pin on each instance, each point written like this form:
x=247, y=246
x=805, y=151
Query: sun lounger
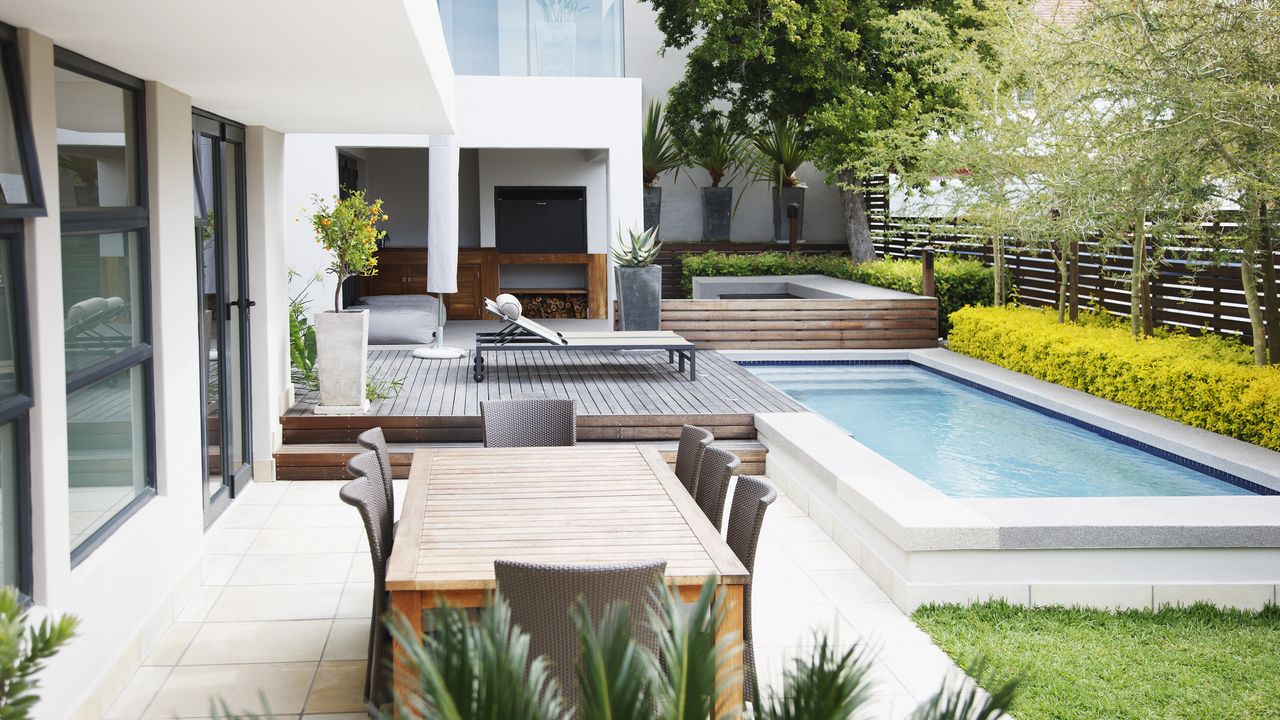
x=521, y=333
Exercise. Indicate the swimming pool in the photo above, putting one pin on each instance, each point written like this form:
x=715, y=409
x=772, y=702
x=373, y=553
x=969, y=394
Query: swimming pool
x=969, y=443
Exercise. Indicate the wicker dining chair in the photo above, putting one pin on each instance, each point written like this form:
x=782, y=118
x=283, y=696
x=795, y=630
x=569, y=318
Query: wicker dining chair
x=367, y=494
x=530, y=422
x=373, y=439
x=713, y=482
x=751, y=498
x=693, y=443
x=542, y=596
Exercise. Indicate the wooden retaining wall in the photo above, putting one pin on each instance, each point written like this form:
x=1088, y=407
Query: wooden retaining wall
x=804, y=324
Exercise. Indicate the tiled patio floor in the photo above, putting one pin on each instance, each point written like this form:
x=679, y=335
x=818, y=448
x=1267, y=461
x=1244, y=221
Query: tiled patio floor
x=283, y=614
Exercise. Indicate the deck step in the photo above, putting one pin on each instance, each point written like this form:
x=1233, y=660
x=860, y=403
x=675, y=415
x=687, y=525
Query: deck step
x=327, y=461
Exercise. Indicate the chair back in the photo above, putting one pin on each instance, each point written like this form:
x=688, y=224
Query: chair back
x=751, y=498
x=542, y=596
x=373, y=439
x=714, y=471
x=693, y=442
x=368, y=495
x=529, y=422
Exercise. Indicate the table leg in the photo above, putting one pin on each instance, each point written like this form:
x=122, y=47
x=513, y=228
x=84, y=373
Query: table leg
x=410, y=604
x=731, y=624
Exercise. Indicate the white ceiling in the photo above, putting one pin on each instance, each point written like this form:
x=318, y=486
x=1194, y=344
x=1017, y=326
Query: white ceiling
x=370, y=66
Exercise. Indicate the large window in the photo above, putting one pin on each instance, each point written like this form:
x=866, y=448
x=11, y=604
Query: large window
x=106, y=301
x=21, y=196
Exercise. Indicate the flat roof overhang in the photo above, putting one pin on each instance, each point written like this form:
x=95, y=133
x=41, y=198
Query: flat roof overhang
x=377, y=66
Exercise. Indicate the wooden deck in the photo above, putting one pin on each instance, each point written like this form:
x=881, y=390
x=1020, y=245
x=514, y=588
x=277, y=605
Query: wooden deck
x=633, y=395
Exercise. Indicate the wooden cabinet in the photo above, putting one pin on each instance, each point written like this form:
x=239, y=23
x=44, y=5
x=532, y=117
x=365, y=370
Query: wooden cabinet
x=403, y=271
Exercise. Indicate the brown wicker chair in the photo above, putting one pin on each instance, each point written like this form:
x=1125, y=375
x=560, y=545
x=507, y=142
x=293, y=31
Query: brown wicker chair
x=541, y=597
x=368, y=495
x=751, y=498
x=693, y=443
x=531, y=422
x=373, y=439
x=713, y=482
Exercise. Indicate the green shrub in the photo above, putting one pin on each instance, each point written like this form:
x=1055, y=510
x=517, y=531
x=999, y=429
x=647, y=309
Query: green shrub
x=959, y=282
x=1204, y=382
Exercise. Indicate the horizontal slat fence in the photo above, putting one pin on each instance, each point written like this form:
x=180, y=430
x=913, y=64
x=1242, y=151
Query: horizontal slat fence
x=804, y=324
x=1194, y=287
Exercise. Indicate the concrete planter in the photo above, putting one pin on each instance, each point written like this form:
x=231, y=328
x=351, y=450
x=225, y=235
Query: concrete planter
x=717, y=209
x=781, y=226
x=557, y=45
x=342, y=361
x=652, y=207
x=639, y=297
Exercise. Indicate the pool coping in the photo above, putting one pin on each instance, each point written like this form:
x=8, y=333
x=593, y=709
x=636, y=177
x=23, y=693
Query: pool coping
x=917, y=517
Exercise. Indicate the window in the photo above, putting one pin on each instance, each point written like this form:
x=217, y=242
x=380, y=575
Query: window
x=106, y=297
x=21, y=196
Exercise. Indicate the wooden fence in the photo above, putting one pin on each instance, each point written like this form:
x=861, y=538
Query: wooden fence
x=1194, y=288
x=805, y=324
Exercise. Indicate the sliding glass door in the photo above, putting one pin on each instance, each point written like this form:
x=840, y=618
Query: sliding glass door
x=224, y=308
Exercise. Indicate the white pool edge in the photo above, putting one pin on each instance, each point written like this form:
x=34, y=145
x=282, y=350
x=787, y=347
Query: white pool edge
x=923, y=546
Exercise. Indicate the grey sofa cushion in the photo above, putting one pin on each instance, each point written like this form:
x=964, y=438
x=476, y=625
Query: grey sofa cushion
x=402, y=323
x=398, y=300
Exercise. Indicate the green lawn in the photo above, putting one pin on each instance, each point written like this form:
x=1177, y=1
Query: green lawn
x=1188, y=663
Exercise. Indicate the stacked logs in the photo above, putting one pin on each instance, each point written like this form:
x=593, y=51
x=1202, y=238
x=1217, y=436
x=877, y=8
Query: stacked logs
x=554, y=306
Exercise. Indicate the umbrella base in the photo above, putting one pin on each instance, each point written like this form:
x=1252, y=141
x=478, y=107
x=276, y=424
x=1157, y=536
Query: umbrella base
x=439, y=353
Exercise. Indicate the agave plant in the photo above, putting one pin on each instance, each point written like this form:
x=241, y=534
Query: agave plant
x=636, y=249
x=561, y=11
x=718, y=149
x=780, y=150
x=658, y=151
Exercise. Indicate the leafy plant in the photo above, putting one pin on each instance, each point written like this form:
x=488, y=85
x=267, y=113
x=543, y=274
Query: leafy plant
x=561, y=11
x=658, y=151
x=24, y=648
x=718, y=149
x=827, y=685
x=1201, y=382
x=780, y=150
x=636, y=249
x=349, y=232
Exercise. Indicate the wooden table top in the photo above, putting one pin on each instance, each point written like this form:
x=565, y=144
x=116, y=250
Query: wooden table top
x=467, y=507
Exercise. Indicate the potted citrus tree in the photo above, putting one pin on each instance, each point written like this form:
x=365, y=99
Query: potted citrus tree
x=719, y=150
x=348, y=229
x=780, y=150
x=639, y=281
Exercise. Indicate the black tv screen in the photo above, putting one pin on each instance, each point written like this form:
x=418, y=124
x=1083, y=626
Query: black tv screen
x=540, y=219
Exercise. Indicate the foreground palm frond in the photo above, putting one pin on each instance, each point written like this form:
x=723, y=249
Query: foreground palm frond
x=961, y=698
x=615, y=674
x=825, y=686
x=691, y=656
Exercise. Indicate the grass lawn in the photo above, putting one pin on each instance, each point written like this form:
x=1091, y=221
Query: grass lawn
x=1196, y=662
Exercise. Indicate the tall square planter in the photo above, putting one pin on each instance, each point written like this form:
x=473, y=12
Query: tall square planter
x=639, y=297
x=342, y=362
x=556, y=46
x=652, y=207
x=717, y=209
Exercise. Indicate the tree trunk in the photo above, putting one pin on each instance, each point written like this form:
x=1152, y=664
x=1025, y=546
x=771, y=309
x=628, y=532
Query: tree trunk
x=857, y=229
x=1271, y=296
x=997, y=265
x=1137, y=274
x=1248, y=278
x=1060, y=259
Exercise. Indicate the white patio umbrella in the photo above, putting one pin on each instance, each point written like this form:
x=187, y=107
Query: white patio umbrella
x=442, y=236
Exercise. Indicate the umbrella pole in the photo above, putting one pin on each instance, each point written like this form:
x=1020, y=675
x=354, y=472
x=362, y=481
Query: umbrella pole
x=439, y=351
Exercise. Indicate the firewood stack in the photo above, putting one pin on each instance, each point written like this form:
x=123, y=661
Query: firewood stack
x=554, y=306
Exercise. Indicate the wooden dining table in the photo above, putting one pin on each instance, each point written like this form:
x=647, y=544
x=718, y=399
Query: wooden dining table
x=467, y=507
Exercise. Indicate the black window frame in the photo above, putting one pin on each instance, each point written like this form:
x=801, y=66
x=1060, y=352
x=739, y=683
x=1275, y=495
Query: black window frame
x=136, y=219
x=17, y=409
x=14, y=80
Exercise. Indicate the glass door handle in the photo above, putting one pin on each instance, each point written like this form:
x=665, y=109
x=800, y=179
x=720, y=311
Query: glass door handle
x=236, y=304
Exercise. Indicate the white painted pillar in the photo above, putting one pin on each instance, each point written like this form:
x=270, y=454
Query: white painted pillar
x=268, y=287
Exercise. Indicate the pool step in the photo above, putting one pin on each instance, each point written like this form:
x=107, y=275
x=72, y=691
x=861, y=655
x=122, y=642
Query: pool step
x=328, y=461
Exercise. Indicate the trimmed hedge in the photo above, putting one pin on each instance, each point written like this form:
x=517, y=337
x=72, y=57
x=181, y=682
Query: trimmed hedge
x=959, y=282
x=1206, y=382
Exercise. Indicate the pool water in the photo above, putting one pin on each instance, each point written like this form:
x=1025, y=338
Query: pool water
x=972, y=444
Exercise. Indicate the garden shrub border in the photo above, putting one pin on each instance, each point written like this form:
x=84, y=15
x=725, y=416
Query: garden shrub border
x=1203, y=382
x=960, y=282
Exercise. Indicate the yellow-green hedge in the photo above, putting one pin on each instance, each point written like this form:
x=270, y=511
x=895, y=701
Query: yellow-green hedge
x=1203, y=382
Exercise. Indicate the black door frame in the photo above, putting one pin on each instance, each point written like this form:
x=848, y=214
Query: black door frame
x=229, y=138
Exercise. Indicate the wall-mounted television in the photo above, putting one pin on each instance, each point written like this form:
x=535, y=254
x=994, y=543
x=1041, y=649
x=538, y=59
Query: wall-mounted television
x=540, y=219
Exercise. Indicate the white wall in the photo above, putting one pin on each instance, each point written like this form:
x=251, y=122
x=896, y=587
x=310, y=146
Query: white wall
x=265, y=217
x=681, y=197
x=126, y=591
x=399, y=177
